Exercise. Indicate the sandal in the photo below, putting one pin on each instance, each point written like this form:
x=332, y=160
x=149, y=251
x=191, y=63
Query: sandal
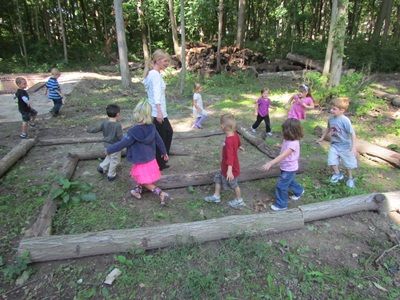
x=163, y=196
x=137, y=192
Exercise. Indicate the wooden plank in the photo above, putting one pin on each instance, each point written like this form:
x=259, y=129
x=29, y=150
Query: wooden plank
x=114, y=241
x=15, y=154
x=258, y=142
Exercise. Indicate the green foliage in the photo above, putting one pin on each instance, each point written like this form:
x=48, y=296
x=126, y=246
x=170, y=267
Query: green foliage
x=72, y=192
x=11, y=272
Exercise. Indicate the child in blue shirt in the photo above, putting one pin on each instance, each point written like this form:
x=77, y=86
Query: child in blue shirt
x=53, y=92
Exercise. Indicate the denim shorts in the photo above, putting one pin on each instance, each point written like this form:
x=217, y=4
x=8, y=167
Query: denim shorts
x=347, y=156
x=233, y=184
x=27, y=115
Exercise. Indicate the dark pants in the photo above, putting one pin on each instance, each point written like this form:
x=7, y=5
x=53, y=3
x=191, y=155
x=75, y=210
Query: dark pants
x=166, y=132
x=266, y=121
x=57, y=106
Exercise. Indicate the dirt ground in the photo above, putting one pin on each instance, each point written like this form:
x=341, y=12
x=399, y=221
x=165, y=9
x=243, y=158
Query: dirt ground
x=341, y=241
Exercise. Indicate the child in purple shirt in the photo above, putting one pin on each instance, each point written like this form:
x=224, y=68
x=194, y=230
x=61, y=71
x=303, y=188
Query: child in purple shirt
x=262, y=112
x=300, y=102
x=289, y=164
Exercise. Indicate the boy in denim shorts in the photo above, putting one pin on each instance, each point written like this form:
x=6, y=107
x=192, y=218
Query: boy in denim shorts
x=230, y=167
x=24, y=106
x=343, y=142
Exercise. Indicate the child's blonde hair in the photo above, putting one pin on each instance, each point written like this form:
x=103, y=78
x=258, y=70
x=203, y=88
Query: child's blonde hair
x=341, y=102
x=55, y=72
x=292, y=130
x=228, y=122
x=142, y=113
x=19, y=80
x=196, y=87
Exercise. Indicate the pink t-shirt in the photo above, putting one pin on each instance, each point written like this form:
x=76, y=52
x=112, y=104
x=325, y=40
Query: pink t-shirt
x=290, y=163
x=298, y=111
x=263, y=106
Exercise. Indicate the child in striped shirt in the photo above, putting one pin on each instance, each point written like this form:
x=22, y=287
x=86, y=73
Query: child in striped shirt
x=53, y=92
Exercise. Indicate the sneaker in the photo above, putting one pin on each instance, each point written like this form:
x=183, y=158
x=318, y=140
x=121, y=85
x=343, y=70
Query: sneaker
x=32, y=124
x=100, y=170
x=336, y=177
x=276, y=208
x=350, y=183
x=23, y=135
x=111, y=178
x=236, y=203
x=212, y=199
x=253, y=130
x=269, y=133
x=296, y=198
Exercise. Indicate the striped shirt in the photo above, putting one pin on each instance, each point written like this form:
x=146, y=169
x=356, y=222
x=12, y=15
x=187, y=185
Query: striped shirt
x=53, y=89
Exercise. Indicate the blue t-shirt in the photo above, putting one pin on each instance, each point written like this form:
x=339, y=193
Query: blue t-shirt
x=53, y=89
x=341, y=130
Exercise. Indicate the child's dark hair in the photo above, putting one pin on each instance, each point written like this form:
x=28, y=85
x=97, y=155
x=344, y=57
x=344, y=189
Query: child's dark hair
x=305, y=88
x=292, y=130
x=112, y=110
x=19, y=80
x=264, y=90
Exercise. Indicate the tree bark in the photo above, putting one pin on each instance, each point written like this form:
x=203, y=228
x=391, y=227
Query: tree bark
x=143, y=29
x=257, y=142
x=240, y=24
x=309, y=63
x=15, y=154
x=62, y=29
x=220, y=21
x=338, y=44
x=329, y=49
x=183, y=49
x=21, y=32
x=381, y=18
x=122, y=48
x=174, y=28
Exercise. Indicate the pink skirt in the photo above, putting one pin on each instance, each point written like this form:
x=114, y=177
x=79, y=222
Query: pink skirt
x=146, y=173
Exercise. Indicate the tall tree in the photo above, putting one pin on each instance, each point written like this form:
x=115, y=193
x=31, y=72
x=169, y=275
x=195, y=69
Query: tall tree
x=122, y=48
x=62, y=29
x=174, y=27
x=240, y=24
x=183, y=48
x=21, y=32
x=220, y=26
x=338, y=43
x=329, y=48
x=143, y=29
x=383, y=17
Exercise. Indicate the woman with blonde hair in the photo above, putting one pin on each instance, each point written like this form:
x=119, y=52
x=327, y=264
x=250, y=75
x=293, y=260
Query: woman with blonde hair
x=155, y=88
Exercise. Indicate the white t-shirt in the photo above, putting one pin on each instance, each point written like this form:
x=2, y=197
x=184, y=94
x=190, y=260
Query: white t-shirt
x=155, y=88
x=199, y=101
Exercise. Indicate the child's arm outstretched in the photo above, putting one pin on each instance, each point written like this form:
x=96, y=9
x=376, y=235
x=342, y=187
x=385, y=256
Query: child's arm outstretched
x=118, y=146
x=277, y=159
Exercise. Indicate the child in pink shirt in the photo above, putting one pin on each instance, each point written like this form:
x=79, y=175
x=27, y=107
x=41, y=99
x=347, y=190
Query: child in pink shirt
x=300, y=102
x=289, y=164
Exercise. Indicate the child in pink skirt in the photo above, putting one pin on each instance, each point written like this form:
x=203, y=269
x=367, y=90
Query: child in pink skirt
x=300, y=103
x=141, y=142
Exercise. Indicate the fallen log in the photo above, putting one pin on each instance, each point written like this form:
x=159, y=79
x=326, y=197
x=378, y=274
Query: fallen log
x=112, y=241
x=257, y=142
x=193, y=179
x=309, y=63
x=70, y=140
x=391, y=206
x=197, y=134
x=42, y=225
x=15, y=154
x=394, y=99
x=364, y=147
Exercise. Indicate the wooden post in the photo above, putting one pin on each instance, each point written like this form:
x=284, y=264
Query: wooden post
x=112, y=241
x=15, y=154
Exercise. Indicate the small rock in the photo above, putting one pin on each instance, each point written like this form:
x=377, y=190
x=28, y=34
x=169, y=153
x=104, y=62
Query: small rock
x=23, y=278
x=354, y=255
x=142, y=285
x=79, y=281
x=112, y=276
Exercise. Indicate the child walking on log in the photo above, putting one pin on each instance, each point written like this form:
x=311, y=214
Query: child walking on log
x=343, y=142
x=230, y=167
x=141, y=142
x=289, y=164
x=262, y=112
x=112, y=133
x=199, y=113
x=24, y=106
x=300, y=103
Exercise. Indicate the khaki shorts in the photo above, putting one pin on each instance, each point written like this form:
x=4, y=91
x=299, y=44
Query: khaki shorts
x=233, y=184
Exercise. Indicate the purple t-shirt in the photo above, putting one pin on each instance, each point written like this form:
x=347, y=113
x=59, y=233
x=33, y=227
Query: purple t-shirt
x=290, y=163
x=298, y=111
x=263, y=106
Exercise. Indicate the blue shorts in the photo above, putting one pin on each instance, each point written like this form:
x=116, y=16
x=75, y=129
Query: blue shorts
x=347, y=156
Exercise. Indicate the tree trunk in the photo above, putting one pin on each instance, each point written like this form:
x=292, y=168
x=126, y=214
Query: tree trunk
x=15, y=154
x=388, y=14
x=183, y=49
x=122, y=48
x=21, y=32
x=329, y=49
x=309, y=63
x=240, y=24
x=145, y=45
x=338, y=44
x=174, y=28
x=220, y=21
x=381, y=18
x=62, y=29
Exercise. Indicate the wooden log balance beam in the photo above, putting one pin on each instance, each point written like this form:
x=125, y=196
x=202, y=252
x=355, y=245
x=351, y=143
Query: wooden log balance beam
x=114, y=241
x=258, y=142
x=368, y=149
x=15, y=154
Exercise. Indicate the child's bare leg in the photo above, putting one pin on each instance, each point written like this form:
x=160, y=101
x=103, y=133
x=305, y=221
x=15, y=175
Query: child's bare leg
x=217, y=191
x=238, y=193
x=24, y=127
x=156, y=190
x=335, y=169
x=350, y=173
